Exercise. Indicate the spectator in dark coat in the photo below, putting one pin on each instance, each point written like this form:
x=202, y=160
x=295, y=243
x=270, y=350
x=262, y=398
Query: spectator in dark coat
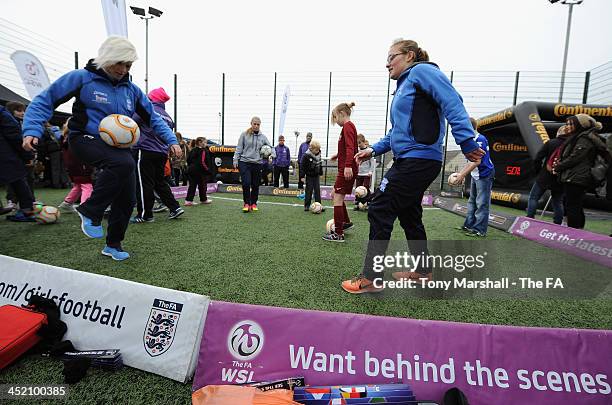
x=575, y=163
x=50, y=150
x=312, y=168
x=546, y=180
x=199, y=169
x=303, y=148
x=17, y=109
x=12, y=165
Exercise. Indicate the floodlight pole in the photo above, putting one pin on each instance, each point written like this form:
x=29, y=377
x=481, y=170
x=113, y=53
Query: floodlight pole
x=147, y=52
x=571, y=4
x=142, y=14
x=567, y=36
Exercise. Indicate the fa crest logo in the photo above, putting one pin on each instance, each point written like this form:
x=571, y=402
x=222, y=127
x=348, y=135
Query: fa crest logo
x=245, y=340
x=161, y=327
x=129, y=104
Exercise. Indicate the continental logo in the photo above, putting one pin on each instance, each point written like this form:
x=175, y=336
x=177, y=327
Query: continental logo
x=234, y=189
x=226, y=170
x=534, y=117
x=508, y=147
x=220, y=149
x=507, y=197
x=491, y=119
x=282, y=191
x=562, y=110
x=541, y=131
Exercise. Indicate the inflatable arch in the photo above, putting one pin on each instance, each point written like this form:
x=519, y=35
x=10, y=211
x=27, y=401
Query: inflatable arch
x=516, y=134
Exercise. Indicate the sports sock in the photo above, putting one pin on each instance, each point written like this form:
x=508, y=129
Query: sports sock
x=339, y=219
x=346, y=217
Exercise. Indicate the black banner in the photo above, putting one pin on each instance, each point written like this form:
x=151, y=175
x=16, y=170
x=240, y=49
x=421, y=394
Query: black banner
x=514, y=167
x=224, y=164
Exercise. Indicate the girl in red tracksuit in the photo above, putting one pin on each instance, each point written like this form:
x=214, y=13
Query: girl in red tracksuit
x=199, y=169
x=347, y=170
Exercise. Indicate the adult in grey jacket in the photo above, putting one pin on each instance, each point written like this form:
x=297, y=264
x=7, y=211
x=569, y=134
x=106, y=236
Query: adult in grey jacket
x=575, y=163
x=247, y=159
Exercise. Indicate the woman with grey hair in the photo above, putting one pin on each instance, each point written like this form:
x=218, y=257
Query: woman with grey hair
x=101, y=89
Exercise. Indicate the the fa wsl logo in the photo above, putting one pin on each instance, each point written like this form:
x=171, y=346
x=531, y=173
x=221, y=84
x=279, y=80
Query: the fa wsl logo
x=245, y=340
x=161, y=326
x=523, y=227
x=32, y=68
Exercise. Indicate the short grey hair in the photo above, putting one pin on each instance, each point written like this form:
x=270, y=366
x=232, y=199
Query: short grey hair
x=115, y=50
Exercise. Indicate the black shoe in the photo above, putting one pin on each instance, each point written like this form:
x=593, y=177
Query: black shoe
x=475, y=234
x=159, y=207
x=140, y=220
x=21, y=216
x=5, y=210
x=176, y=213
x=348, y=225
x=333, y=237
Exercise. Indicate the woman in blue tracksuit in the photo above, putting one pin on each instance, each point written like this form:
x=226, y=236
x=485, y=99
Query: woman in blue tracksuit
x=102, y=88
x=423, y=99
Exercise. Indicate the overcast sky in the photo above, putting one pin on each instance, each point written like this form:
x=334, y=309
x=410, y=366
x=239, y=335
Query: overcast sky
x=213, y=36
x=198, y=39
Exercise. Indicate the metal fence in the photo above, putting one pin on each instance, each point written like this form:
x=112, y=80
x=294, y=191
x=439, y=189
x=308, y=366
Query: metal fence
x=220, y=106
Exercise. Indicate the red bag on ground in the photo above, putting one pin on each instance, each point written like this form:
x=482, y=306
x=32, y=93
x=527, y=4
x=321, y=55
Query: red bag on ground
x=18, y=327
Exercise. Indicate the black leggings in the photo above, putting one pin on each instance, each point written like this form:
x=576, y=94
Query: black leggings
x=400, y=195
x=115, y=184
x=199, y=180
x=250, y=176
x=574, y=200
x=23, y=193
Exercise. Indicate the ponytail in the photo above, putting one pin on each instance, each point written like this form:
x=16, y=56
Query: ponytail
x=407, y=45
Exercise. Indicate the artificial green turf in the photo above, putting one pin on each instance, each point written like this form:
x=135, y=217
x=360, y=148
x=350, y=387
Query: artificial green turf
x=272, y=257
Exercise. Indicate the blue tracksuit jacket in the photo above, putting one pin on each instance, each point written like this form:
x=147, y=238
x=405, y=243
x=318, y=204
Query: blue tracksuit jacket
x=424, y=97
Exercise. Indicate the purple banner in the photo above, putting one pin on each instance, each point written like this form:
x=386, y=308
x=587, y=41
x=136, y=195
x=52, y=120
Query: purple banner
x=326, y=194
x=491, y=364
x=181, y=191
x=587, y=245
